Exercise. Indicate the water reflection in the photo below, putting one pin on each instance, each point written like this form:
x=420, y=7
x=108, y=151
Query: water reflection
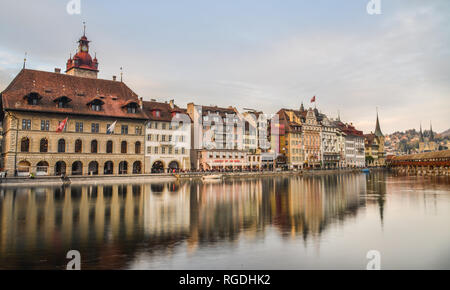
x=112, y=225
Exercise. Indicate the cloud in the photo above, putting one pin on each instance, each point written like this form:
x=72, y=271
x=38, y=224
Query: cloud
x=398, y=61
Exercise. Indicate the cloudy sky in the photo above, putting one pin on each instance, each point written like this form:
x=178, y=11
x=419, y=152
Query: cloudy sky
x=261, y=54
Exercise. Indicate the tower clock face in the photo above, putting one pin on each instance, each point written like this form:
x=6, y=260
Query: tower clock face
x=84, y=48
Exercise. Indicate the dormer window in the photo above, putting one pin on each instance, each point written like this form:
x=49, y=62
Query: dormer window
x=33, y=98
x=156, y=113
x=132, y=107
x=96, y=105
x=62, y=102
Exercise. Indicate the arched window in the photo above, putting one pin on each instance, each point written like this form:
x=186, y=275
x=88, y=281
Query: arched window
x=23, y=168
x=123, y=147
x=123, y=167
x=60, y=168
x=43, y=146
x=93, y=168
x=137, y=147
x=77, y=168
x=94, y=146
x=109, y=146
x=42, y=168
x=78, y=146
x=108, y=168
x=61, y=145
x=25, y=145
x=137, y=167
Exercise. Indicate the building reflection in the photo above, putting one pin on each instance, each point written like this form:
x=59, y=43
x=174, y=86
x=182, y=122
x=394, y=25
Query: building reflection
x=111, y=224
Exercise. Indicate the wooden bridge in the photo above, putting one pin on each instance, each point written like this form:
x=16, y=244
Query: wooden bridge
x=430, y=163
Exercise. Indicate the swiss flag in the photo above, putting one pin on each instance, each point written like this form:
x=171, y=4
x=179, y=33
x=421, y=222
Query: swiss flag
x=313, y=99
x=62, y=125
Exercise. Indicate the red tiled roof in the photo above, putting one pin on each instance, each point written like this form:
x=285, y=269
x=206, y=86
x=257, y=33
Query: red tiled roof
x=51, y=86
x=221, y=111
x=164, y=109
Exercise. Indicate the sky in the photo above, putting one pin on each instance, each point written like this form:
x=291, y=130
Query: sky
x=259, y=54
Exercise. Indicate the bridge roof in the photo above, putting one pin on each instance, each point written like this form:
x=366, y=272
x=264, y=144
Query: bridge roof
x=428, y=155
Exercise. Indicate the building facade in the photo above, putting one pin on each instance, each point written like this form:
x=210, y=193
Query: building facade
x=217, y=138
x=311, y=140
x=167, y=138
x=329, y=147
x=374, y=147
x=57, y=123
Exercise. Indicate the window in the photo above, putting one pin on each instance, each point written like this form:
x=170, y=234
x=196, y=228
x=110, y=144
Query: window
x=109, y=147
x=182, y=151
x=164, y=126
x=61, y=145
x=163, y=138
x=138, y=130
x=78, y=146
x=131, y=109
x=123, y=147
x=149, y=150
x=94, y=146
x=95, y=127
x=124, y=130
x=26, y=124
x=137, y=147
x=79, y=127
x=45, y=125
x=163, y=150
x=25, y=145
x=156, y=150
x=43, y=146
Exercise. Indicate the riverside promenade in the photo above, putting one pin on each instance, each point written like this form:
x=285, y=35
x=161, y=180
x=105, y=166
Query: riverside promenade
x=157, y=178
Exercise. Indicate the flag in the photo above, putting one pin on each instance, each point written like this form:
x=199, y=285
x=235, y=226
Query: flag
x=111, y=128
x=313, y=100
x=62, y=125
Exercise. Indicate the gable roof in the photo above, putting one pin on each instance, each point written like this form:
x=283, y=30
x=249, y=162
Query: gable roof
x=165, y=111
x=51, y=86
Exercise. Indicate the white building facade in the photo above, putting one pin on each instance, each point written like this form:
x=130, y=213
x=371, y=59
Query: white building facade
x=167, y=138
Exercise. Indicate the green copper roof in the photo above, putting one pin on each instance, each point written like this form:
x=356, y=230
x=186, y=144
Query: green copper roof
x=377, y=129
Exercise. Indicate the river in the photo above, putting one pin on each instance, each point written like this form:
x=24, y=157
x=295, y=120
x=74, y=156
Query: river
x=284, y=222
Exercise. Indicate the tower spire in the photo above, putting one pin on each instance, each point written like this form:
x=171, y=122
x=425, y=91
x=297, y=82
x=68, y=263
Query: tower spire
x=378, y=132
x=84, y=28
x=24, y=60
x=421, y=133
x=431, y=132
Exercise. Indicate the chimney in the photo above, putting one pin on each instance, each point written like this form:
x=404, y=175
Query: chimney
x=114, y=78
x=172, y=104
x=57, y=70
x=141, y=102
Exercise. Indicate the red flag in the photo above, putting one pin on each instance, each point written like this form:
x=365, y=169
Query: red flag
x=62, y=125
x=313, y=99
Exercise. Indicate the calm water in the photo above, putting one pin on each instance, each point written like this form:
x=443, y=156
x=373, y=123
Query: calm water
x=326, y=222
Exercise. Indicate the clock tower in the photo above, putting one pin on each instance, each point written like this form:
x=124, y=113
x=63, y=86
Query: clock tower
x=82, y=64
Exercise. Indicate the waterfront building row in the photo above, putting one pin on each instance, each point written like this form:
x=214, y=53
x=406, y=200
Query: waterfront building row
x=77, y=124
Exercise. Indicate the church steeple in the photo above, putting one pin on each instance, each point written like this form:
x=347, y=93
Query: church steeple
x=302, y=108
x=378, y=132
x=421, y=134
x=431, y=132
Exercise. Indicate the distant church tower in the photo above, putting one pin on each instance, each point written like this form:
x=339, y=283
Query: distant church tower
x=82, y=64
